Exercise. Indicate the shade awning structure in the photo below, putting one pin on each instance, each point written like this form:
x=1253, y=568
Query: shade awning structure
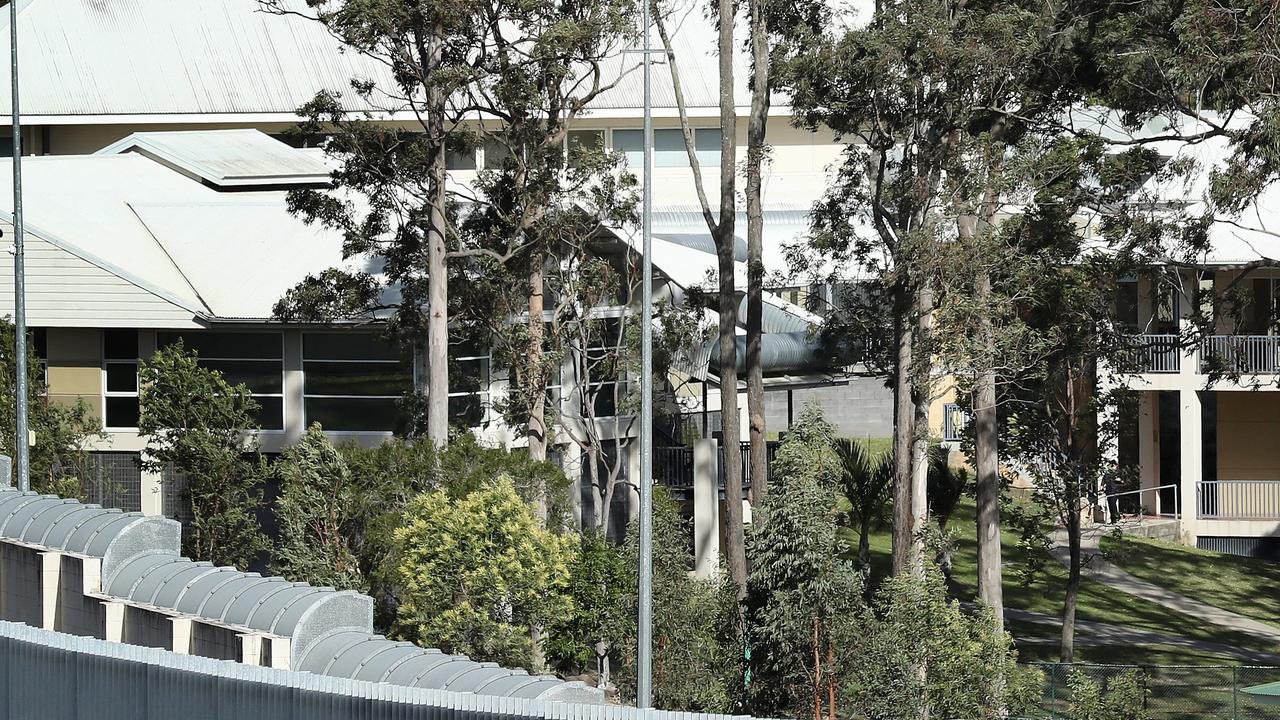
x=1268, y=694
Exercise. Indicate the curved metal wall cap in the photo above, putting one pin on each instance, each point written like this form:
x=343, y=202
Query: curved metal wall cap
x=72, y=526
x=364, y=656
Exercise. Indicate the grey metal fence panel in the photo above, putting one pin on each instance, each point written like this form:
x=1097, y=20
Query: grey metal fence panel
x=54, y=675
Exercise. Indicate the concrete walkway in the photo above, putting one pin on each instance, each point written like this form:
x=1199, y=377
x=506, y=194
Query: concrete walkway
x=1096, y=567
x=1095, y=633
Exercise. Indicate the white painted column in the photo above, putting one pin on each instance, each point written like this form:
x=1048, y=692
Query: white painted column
x=706, y=507
x=280, y=653
x=181, y=642
x=294, y=412
x=50, y=582
x=114, y=612
x=633, y=487
x=1191, y=460
x=250, y=648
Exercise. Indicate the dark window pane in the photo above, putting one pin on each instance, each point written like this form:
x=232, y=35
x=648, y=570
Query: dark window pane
x=353, y=414
x=261, y=376
x=122, y=377
x=348, y=346
x=466, y=410
x=40, y=341
x=495, y=153
x=271, y=413
x=228, y=345
x=351, y=378
x=471, y=376
x=122, y=412
x=120, y=344
x=458, y=156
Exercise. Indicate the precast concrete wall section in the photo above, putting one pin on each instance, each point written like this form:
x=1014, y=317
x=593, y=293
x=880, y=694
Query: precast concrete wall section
x=96, y=572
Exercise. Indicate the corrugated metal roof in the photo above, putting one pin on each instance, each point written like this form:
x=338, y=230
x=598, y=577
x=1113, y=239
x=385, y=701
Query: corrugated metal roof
x=227, y=158
x=124, y=57
x=223, y=57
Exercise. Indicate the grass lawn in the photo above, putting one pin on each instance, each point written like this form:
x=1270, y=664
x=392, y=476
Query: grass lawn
x=1044, y=594
x=1242, y=585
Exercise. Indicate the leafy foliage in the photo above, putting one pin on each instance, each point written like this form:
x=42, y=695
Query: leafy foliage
x=600, y=622
x=866, y=482
x=921, y=654
x=63, y=432
x=694, y=659
x=478, y=572
x=202, y=425
x=1122, y=698
x=316, y=509
x=804, y=599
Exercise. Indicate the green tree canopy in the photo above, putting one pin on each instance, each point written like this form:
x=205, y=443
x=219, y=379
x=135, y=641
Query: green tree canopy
x=479, y=572
x=203, y=426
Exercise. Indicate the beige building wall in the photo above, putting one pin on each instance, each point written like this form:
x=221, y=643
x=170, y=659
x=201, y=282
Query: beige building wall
x=1248, y=425
x=75, y=367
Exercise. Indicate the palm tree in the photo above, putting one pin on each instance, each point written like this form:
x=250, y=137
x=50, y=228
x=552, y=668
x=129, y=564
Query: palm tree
x=866, y=482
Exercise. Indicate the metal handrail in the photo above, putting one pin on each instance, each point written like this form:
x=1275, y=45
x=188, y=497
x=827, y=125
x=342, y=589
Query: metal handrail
x=1158, y=353
x=1177, y=500
x=1242, y=353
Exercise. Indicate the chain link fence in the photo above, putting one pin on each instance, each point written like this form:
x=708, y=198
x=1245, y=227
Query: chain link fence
x=1170, y=692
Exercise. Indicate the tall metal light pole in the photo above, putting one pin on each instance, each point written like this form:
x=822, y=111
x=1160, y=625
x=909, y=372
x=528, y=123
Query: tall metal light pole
x=23, y=464
x=644, y=623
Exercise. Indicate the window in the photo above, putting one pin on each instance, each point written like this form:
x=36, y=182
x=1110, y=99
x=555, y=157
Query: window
x=469, y=385
x=120, y=366
x=1127, y=304
x=668, y=147
x=495, y=153
x=352, y=381
x=254, y=359
x=458, y=156
x=606, y=380
x=583, y=141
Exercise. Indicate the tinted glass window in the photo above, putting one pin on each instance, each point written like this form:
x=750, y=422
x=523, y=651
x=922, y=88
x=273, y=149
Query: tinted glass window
x=347, y=346
x=357, y=378
x=227, y=345
x=353, y=414
x=120, y=344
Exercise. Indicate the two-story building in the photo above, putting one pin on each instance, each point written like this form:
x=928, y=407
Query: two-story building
x=156, y=165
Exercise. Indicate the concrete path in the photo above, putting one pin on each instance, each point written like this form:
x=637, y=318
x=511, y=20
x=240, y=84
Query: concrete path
x=1096, y=567
x=1096, y=633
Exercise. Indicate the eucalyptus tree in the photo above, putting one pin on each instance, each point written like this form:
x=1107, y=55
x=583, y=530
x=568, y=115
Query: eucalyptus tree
x=720, y=219
x=510, y=76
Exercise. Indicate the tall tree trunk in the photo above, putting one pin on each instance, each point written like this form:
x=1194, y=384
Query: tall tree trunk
x=437, y=272
x=903, y=422
x=757, y=125
x=921, y=397
x=1067, y=653
x=987, y=490
x=734, y=538
x=537, y=374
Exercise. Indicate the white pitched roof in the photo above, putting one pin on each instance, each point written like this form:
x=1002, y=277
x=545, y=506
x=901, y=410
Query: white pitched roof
x=82, y=59
x=221, y=255
x=226, y=158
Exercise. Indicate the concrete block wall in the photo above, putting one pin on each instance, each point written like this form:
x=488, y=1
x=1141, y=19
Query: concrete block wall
x=76, y=612
x=20, y=582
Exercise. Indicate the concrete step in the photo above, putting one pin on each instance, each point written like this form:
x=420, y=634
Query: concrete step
x=1155, y=528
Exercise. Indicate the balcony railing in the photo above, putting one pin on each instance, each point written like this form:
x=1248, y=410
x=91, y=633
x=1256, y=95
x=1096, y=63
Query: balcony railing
x=1249, y=354
x=1157, y=354
x=1238, y=500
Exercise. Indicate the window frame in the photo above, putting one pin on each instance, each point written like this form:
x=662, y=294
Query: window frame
x=306, y=421
x=284, y=409
x=107, y=392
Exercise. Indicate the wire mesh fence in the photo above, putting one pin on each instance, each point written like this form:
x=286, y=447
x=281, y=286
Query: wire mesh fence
x=1169, y=692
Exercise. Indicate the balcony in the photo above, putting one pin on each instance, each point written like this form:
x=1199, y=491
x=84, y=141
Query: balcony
x=1156, y=354
x=1243, y=354
x=1238, y=500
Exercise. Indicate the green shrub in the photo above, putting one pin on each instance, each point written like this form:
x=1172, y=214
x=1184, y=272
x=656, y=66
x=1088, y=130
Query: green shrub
x=316, y=511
